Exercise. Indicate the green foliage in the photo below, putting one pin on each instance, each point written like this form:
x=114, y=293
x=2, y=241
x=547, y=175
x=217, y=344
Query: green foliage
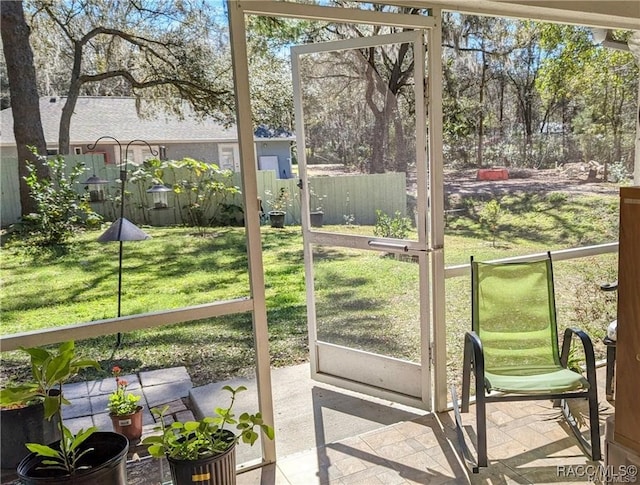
x=279, y=202
x=619, y=173
x=315, y=200
x=50, y=370
x=192, y=440
x=229, y=215
x=556, y=199
x=490, y=216
x=122, y=403
x=59, y=209
x=397, y=227
x=204, y=186
x=66, y=458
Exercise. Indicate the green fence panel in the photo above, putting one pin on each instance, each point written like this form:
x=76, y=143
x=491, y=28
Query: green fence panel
x=349, y=196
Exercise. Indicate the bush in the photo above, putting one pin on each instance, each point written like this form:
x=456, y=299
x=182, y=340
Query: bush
x=397, y=227
x=490, y=216
x=619, y=173
x=59, y=209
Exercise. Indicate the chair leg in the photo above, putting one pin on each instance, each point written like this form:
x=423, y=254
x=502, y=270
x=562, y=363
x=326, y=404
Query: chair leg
x=467, y=456
x=594, y=424
x=481, y=426
x=611, y=363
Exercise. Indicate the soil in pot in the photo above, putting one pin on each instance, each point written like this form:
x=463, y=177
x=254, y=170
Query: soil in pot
x=24, y=425
x=107, y=464
x=129, y=425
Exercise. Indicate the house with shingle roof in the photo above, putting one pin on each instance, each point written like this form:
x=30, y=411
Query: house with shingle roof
x=170, y=136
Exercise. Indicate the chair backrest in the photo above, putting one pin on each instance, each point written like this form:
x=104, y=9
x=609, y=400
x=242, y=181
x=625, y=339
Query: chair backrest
x=513, y=313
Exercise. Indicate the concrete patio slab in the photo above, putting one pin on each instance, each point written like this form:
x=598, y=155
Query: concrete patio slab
x=308, y=415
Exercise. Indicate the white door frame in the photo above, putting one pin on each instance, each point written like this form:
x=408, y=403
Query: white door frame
x=374, y=374
x=237, y=25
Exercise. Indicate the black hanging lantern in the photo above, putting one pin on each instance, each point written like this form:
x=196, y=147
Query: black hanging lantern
x=159, y=193
x=95, y=185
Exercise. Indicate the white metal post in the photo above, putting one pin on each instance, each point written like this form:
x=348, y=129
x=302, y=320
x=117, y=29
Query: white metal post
x=436, y=213
x=252, y=219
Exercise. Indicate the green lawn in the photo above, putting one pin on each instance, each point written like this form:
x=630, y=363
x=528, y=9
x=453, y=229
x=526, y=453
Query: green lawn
x=356, y=305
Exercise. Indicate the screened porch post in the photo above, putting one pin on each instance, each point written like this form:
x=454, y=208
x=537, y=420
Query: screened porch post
x=252, y=219
x=436, y=213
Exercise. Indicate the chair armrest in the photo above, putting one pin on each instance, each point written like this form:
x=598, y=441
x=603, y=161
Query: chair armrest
x=588, y=352
x=472, y=340
x=473, y=360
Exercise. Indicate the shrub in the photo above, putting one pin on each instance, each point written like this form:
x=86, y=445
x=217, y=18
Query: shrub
x=619, y=173
x=490, y=216
x=397, y=227
x=59, y=208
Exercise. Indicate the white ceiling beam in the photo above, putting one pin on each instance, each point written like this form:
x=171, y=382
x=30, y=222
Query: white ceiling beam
x=333, y=14
x=624, y=14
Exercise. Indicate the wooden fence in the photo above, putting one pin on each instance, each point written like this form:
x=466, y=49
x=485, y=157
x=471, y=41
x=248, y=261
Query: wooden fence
x=350, y=197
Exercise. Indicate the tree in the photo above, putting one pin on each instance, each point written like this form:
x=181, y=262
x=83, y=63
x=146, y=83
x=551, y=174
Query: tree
x=27, y=126
x=160, y=50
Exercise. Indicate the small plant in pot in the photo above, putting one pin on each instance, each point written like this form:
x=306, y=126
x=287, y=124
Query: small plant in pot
x=87, y=457
x=278, y=205
x=124, y=410
x=203, y=451
x=22, y=421
x=316, y=212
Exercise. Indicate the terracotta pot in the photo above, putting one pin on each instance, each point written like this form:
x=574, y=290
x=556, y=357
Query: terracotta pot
x=129, y=425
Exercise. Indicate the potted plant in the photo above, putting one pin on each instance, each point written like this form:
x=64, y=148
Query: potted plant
x=124, y=411
x=204, y=451
x=21, y=422
x=87, y=457
x=316, y=213
x=278, y=205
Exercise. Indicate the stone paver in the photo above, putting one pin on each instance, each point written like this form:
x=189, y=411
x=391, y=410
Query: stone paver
x=75, y=389
x=163, y=393
x=80, y=406
x=108, y=385
x=89, y=400
x=163, y=376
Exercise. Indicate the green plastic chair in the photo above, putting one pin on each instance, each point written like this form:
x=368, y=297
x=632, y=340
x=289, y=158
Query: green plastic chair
x=513, y=350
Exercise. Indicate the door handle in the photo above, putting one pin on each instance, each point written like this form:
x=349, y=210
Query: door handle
x=387, y=245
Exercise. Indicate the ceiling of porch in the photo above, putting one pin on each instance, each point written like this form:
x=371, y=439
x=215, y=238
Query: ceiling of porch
x=616, y=14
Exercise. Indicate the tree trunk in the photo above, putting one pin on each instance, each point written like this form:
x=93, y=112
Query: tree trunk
x=25, y=104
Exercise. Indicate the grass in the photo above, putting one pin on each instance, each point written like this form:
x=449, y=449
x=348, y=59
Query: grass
x=364, y=299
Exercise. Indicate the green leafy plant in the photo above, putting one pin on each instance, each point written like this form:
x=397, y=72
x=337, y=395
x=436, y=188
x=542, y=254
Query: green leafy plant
x=490, y=216
x=279, y=202
x=122, y=403
x=315, y=200
x=397, y=227
x=192, y=440
x=50, y=370
x=59, y=209
x=204, y=186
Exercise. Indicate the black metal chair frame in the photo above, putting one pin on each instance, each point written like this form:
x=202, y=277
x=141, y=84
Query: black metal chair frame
x=474, y=361
x=611, y=351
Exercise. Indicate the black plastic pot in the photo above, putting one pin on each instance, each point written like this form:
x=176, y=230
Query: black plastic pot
x=277, y=218
x=213, y=470
x=21, y=426
x=317, y=218
x=107, y=462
